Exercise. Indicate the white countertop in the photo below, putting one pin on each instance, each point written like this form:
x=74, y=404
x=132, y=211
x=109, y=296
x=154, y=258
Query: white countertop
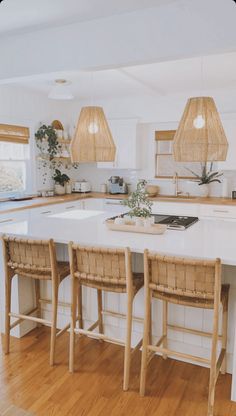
x=205, y=239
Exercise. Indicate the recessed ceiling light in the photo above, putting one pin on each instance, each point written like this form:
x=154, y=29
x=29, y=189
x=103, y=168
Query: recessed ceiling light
x=61, y=90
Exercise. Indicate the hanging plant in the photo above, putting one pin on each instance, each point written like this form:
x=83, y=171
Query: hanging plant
x=47, y=135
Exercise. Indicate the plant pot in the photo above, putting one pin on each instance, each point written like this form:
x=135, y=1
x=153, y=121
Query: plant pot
x=139, y=221
x=59, y=189
x=68, y=188
x=204, y=190
x=148, y=222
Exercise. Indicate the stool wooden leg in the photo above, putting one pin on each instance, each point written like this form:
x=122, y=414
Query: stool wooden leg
x=74, y=290
x=128, y=341
x=150, y=326
x=37, y=297
x=224, y=334
x=80, y=307
x=212, y=383
x=100, y=321
x=54, y=321
x=147, y=319
x=7, y=311
x=164, y=327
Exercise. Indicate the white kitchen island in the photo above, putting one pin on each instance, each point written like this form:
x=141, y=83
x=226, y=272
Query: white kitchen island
x=208, y=239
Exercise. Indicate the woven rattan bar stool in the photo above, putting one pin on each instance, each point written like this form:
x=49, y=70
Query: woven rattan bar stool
x=37, y=260
x=188, y=282
x=109, y=270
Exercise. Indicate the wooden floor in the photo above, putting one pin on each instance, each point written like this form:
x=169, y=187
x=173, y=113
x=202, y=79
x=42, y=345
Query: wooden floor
x=174, y=388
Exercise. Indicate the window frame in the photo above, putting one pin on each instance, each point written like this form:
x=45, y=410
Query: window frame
x=30, y=185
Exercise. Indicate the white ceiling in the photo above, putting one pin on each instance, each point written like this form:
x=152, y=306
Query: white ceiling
x=29, y=15
x=200, y=75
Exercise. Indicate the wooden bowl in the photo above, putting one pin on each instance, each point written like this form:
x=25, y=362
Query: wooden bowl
x=152, y=190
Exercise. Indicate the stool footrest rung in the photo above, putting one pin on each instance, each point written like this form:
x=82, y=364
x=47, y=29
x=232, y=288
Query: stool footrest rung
x=219, y=361
x=30, y=318
x=158, y=343
x=168, y=352
x=93, y=326
x=121, y=315
x=59, y=303
x=63, y=330
x=20, y=320
x=98, y=336
x=137, y=346
x=191, y=331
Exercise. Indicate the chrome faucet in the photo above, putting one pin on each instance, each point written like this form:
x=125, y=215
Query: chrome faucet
x=176, y=182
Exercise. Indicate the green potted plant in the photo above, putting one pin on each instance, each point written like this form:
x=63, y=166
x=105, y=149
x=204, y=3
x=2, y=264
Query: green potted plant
x=139, y=204
x=61, y=179
x=206, y=177
x=46, y=140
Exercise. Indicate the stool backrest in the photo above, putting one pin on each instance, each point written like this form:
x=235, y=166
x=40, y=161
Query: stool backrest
x=183, y=276
x=29, y=255
x=104, y=265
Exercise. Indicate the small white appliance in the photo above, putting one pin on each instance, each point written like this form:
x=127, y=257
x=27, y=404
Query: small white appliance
x=81, y=186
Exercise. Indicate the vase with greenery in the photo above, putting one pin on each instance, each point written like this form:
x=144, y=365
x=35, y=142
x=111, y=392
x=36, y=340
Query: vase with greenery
x=206, y=177
x=139, y=204
x=60, y=181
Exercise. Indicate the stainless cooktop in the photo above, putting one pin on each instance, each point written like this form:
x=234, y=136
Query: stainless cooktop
x=175, y=222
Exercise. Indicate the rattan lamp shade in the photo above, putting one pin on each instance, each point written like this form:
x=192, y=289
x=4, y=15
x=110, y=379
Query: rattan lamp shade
x=200, y=136
x=93, y=140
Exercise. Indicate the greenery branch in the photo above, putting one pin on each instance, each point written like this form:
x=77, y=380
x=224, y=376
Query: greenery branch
x=138, y=202
x=60, y=178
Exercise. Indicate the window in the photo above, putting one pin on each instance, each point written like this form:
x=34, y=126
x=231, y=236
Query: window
x=14, y=158
x=166, y=166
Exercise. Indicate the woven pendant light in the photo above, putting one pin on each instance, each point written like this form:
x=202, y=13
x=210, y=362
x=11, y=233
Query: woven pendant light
x=200, y=136
x=93, y=140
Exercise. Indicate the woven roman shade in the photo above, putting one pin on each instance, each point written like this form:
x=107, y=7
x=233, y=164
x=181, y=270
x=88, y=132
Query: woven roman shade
x=200, y=136
x=93, y=141
x=14, y=134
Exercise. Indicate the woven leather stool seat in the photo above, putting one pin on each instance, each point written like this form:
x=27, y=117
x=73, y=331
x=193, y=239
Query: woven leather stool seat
x=189, y=301
x=98, y=283
x=63, y=269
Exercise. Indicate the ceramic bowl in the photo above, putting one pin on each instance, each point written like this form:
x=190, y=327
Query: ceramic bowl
x=152, y=190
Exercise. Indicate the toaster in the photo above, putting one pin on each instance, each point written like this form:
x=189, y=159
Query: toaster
x=81, y=186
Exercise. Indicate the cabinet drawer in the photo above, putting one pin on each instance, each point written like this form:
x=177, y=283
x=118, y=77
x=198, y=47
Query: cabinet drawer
x=218, y=211
x=13, y=217
x=175, y=208
x=44, y=211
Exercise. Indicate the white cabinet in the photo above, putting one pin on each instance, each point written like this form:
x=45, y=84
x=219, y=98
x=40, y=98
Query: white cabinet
x=71, y=206
x=45, y=210
x=13, y=217
x=217, y=211
x=127, y=140
x=175, y=208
